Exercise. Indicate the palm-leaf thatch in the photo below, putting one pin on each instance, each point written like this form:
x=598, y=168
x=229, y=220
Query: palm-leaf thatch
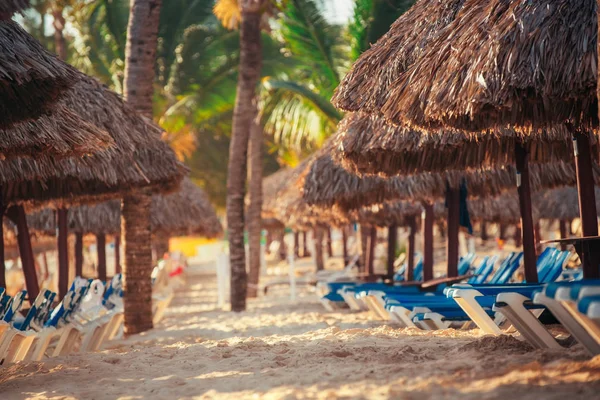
x=385, y=214
x=186, y=211
x=9, y=7
x=367, y=84
x=139, y=159
x=529, y=64
x=31, y=78
x=368, y=143
x=325, y=183
x=560, y=203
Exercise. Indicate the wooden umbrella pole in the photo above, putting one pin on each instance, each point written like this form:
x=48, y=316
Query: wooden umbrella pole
x=372, y=240
x=502, y=231
x=453, y=204
x=329, y=243
x=518, y=236
x=345, y=244
x=79, y=254
x=101, y=249
x=305, y=252
x=527, y=228
x=117, y=254
x=412, y=226
x=296, y=244
x=282, y=249
x=562, y=227
x=587, y=197
x=391, y=247
x=428, y=242
x=18, y=216
x=484, y=234
x=63, y=252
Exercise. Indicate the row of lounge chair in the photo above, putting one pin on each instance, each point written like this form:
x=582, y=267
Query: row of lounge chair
x=488, y=299
x=90, y=314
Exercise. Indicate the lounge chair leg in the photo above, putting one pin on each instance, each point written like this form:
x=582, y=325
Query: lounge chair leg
x=589, y=325
x=569, y=322
x=465, y=298
x=511, y=306
x=403, y=316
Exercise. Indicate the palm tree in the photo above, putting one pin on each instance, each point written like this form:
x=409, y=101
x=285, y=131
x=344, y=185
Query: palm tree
x=244, y=116
x=140, y=56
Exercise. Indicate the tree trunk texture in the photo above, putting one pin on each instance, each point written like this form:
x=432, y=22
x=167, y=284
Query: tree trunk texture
x=137, y=268
x=254, y=218
x=140, y=57
x=391, y=248
x=60, y=43
x=101, y=249
x=117, y=254
x=428, y=242
x=296, y=244
x=18, y=216
x=244, y=114
x=524, y=190
x=329, y=243
x=63, y=252
x=305, y=252
x=319, y=259
x=269, y=240
x=79, y=254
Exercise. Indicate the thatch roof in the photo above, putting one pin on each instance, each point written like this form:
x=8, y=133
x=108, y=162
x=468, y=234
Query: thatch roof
x=9, y=7
x=523, y=63
x=31, y=78
x=325, y=183
x=184, y=212
x=386, y=213
x=372, y=76
x=272, y=185
x=139, y=158
x=368, y=143
x=561, y=203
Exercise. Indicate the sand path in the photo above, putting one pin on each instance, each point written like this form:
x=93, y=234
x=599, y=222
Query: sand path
x=280, y=350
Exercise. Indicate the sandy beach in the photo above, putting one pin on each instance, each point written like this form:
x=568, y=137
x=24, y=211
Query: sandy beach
x=280, y=349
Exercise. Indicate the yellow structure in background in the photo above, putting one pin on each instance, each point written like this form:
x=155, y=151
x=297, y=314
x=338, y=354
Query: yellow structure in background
x=188, y=244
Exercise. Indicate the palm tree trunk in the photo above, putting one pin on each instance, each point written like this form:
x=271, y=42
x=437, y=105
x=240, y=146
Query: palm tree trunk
x=243, y=116
x=140, y=57
x=296, y=244
x=255, y=206
x=318, y=232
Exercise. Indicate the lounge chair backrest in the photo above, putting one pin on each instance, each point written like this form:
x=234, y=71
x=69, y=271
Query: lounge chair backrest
x=509, y=270
x=400, y=274
x=14, y=305
x=4, y=304
x=43, y=311
x=484, y=270
x=465, y=263
x=37, y=305
x=554, y=271
x=94, y=296
x=418, y=271
x=546, y=261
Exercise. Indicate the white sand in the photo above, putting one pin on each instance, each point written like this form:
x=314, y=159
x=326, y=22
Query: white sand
x=279, y=350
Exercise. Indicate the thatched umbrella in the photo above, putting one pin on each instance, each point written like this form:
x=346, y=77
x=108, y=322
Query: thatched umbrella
x=31, y=81
x=376, y=82
x=186, y=211
x=529, y=65
x=138, y=159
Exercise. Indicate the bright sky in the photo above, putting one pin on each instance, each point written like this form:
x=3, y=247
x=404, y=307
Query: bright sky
x=338, y=11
